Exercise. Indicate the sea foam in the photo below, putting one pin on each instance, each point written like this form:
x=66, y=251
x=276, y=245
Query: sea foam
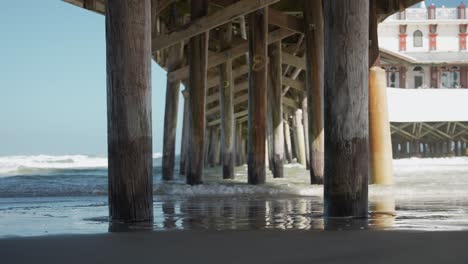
x=19, y=165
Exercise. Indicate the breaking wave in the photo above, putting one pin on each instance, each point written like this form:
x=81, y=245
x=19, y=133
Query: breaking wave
x=27, y=165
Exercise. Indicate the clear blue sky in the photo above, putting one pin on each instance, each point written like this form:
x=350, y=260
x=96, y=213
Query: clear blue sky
x=52, y=80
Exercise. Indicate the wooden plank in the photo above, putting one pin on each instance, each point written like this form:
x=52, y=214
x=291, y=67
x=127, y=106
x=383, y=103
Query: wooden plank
x=283, y=20
x=207, y=22
x=129, y=113
x=237, y=88
x=236, y=73
x=241, y=49
x=298, y=85
x=314, y=39
x=198, y=66
x=237, y=100
x=292, y=60
x=290, y=102
x=236, y=116
x=226, y=101
x=346, y=108
x=258, y=43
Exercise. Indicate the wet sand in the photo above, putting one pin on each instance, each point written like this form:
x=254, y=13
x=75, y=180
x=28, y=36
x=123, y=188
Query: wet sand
x=241, y=247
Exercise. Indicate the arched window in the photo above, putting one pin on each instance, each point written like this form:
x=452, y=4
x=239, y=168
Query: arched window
x=418, y=38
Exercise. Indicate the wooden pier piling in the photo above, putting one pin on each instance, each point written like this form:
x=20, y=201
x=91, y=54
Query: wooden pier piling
x=314, y=39
x=226, y=100
x=198, y=64
x=185, y=134
x=287, y=139
x=346, y=108
x=128, y=40
x=174, y=61
x=305, y=127
x=300, y=141
x=258, y=29
x=380, y=141
x=276, y=101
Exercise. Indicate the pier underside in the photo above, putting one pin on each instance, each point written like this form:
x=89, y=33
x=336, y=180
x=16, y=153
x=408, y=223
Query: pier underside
x=253, y=70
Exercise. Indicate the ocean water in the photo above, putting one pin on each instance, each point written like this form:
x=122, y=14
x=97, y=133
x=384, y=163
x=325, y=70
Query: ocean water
x=43, y=194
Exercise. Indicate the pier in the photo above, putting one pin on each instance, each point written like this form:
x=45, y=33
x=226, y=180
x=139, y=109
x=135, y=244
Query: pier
x=267, y=82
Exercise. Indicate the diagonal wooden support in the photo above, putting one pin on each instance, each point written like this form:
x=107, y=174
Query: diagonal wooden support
x=237, y=51
x=397, y=130
x=205, y=23
x=283, y=20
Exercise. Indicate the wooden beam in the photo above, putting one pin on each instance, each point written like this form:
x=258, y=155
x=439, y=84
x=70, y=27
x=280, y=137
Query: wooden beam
x=198, y=66
x=283, y=20
x=205, y=23
x=290, y=102
x=258, y=44
x=129, y=113
x=237, y=115
x=237, y=100
x=298, y=85
x=236, y=73
x=237, y=88
x=243, y=98
x=241, y=49
x=295, y=61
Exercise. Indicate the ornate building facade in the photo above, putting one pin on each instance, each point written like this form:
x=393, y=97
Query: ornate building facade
x=425, y=47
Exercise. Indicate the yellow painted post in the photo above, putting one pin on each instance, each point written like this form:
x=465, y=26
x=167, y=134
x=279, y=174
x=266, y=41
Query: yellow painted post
x=380, y=142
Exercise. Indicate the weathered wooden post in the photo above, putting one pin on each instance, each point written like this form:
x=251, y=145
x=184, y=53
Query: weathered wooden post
x=258, y=29
x=238, y=144
x=301, y=152
x=185, y=135
x=417, y=148
x=287, y=139
x=294, y=146
x=276, y=111
x=346, y=108
x=380, y=141
x=208, y=146
x=198, y=63
x=314, y=39
x=129, y=135
x=226, y=97
x=217, y=148
x=174, y=61
x=209, y=152
x=305, y=127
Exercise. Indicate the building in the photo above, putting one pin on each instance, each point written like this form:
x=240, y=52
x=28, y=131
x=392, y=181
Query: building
x=425, y=47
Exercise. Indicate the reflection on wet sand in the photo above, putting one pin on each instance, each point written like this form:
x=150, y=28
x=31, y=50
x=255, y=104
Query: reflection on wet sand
x=254, y=213
x=383, y=211
x=240, y=214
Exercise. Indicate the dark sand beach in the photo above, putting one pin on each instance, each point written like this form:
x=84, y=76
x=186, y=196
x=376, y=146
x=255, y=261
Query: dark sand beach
x=241, y=247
